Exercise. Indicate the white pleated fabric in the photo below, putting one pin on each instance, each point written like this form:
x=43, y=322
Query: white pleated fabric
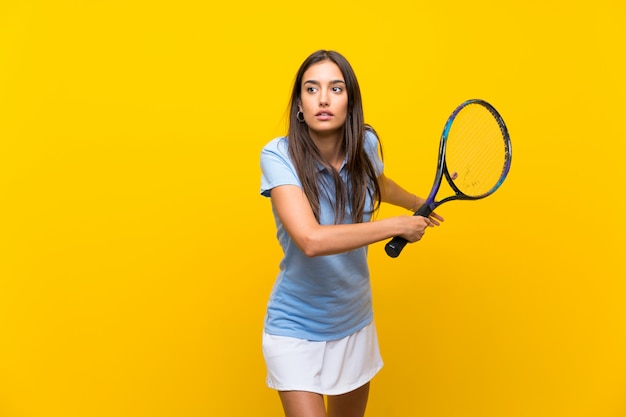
x=328, y=368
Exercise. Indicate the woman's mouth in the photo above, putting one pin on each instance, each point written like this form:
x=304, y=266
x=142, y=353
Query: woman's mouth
x=323, y=115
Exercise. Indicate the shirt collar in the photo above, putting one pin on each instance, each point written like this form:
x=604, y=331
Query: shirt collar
x=321, y=167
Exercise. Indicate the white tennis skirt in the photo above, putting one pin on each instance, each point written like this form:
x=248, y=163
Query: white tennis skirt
x=328, y=368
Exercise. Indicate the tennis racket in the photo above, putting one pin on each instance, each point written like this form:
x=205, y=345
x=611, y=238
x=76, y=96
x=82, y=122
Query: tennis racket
x=474, y=158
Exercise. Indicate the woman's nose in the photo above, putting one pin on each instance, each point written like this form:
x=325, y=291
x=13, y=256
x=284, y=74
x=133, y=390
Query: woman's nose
x=323, y=99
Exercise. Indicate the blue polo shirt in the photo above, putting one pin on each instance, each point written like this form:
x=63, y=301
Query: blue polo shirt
x=325, y=297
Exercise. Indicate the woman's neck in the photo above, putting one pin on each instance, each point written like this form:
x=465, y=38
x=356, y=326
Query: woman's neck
x=330, y=147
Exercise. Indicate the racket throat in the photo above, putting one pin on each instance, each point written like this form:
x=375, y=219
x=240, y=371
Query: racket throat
x=425, y=210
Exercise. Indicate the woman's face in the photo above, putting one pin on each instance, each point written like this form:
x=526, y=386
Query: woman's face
x=324, y=99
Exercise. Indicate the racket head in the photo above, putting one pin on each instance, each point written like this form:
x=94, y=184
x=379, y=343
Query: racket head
x=477, y=150
x=474, y=157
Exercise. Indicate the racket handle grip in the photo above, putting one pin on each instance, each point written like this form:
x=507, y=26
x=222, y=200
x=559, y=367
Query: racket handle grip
x=395, y=245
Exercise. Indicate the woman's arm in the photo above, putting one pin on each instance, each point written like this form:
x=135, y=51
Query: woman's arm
x=314, y=239
x=398, y=196
x=394, y=194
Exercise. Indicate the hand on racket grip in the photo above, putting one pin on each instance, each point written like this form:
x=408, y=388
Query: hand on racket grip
x=427, y=216
x=435, y=219
x=415, y=227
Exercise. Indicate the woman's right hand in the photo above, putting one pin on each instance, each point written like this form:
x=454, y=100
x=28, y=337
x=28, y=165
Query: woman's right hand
x=415, y=226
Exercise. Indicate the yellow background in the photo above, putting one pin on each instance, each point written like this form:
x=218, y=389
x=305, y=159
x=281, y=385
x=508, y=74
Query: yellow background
x=136, y=255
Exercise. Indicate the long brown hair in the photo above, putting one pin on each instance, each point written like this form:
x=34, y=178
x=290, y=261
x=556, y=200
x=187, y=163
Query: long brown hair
x=306, y=156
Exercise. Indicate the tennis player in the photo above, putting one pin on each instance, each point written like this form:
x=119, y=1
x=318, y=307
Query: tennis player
x=325, y=180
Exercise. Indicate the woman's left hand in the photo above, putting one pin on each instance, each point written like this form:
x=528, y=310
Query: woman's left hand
x=435, y=219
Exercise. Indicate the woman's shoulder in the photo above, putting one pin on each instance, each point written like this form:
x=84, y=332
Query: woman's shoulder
x=372, y=141
x=277, y=145
x=370, y=134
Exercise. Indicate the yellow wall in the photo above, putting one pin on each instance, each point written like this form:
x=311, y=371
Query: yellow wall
x=136, y=256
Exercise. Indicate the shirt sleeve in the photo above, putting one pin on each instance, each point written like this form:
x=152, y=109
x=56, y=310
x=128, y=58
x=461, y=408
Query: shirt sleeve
x=276, y=167
x=371, y=149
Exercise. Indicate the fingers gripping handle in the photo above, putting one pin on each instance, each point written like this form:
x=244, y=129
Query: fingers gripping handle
x=395, y=245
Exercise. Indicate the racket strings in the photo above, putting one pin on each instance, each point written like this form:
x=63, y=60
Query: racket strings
x=475, y=151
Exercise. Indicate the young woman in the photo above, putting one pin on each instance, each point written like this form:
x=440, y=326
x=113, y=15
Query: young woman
x=325, y=179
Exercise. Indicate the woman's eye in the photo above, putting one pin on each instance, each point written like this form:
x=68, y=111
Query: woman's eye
x=337, y=89
x=311, y=89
